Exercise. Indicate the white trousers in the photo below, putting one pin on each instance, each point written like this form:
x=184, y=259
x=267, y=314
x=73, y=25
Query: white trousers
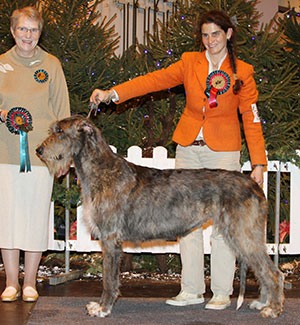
x=191, y=246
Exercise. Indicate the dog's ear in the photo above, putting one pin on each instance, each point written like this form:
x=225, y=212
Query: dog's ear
x=86, y=127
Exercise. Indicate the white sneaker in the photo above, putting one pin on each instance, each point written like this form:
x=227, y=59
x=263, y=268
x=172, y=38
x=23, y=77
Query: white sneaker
x=218, y=303
x=184, y=299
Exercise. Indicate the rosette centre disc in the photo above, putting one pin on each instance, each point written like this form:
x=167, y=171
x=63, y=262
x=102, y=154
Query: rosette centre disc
x=19, y=120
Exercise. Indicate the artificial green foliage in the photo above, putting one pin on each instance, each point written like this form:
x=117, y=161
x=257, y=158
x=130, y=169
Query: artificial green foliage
x=66, y=195
x=84, y=41
x=147, y=121
x=94, y=263
x=291, y=24
x=278, y=86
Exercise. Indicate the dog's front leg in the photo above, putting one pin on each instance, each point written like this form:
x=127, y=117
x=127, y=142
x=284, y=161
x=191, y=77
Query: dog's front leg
x=111, y=263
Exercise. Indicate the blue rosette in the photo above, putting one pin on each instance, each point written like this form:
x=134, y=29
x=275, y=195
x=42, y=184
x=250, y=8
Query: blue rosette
x=19, y=121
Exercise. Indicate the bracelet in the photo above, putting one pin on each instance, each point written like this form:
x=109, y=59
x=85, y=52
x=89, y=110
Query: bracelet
x=259, y=166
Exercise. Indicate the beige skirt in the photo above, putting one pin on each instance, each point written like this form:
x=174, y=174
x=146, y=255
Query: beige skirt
x=24, y=207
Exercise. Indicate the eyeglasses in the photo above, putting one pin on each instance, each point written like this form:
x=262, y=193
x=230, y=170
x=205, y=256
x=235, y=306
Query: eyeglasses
x=25, y=30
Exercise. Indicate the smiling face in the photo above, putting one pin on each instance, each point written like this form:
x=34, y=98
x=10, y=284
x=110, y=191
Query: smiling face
x=26, y=34
x=215, y=39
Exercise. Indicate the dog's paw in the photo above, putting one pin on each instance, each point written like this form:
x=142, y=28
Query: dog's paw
x=255, y=304
x=95, y=310
x=270, y=312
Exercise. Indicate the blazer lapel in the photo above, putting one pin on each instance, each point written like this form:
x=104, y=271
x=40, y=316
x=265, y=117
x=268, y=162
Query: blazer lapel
x=201, y=69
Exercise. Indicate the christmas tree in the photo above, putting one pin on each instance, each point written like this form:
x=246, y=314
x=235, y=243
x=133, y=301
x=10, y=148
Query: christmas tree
x=290, y=21
x=84, y=42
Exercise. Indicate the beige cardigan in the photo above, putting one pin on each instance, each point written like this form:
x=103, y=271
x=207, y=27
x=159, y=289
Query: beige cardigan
x=44, y=95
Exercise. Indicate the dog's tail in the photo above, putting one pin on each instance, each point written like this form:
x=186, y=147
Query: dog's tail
x=243, y=273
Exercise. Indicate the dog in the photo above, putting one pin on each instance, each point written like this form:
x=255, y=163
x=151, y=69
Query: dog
x=126, y=202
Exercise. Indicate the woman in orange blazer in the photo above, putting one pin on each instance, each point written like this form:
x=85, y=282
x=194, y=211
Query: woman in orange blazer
x=217, y=85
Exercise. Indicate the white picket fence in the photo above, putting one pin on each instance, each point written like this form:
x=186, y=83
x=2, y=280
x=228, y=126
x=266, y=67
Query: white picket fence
x=84, y=243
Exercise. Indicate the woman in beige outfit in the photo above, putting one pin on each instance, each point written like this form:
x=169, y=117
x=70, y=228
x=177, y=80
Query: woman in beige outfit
x=33, y=80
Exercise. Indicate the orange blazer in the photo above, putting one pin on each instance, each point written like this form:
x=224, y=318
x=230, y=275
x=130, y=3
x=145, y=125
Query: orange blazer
x=221, y=127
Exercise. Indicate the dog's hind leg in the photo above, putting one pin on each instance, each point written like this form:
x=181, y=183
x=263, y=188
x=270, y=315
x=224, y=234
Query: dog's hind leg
x=274, y=281
x=250, y=247
x=111, y=262
x=263, y=298
x=271, y=280
x=254, y=253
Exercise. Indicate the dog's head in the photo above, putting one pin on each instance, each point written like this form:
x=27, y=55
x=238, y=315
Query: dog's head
x=66, y=139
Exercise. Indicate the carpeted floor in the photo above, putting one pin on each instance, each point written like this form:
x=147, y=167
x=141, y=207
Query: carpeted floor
x=71, y=310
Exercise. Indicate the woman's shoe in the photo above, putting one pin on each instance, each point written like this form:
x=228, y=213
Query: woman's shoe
x=10, y=294
x=30, y=294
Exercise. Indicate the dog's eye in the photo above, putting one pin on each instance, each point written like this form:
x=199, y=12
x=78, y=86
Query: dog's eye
x=58, y=130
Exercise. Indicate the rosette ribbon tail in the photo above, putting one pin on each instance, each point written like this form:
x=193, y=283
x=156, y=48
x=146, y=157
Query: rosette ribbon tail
x=213, y=97
x=211, y=93
x=24, y=153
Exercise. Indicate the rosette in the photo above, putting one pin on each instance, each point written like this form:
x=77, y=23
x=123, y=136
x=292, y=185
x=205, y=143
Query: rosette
x=217, y=82
x=41, y=76
x=19, y=121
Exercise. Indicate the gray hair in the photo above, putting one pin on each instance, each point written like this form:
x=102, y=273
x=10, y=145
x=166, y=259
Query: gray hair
x=29, y=12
